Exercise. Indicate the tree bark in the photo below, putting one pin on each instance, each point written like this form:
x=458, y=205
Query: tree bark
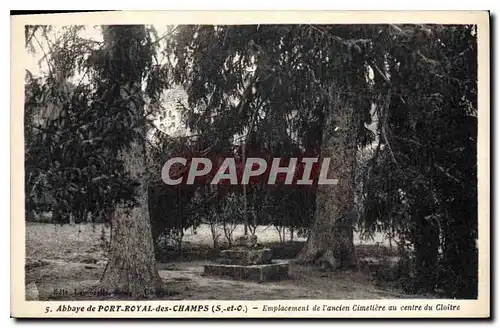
x=331, y=238
x=131, y=269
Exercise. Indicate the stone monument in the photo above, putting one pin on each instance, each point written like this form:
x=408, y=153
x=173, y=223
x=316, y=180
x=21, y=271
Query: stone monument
x=247, y=262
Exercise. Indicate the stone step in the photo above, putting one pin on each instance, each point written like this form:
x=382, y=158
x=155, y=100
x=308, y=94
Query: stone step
x=261, y=273
x=246, y=256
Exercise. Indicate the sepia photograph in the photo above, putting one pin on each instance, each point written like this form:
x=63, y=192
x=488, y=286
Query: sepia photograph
x=260, y=161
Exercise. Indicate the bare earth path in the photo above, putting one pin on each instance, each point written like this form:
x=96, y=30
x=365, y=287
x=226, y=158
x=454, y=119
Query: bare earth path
x=62, y=261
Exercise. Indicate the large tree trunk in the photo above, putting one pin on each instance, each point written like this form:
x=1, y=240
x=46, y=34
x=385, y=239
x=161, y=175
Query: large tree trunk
x=426, y=253
x=131, y=268
x=331, y=238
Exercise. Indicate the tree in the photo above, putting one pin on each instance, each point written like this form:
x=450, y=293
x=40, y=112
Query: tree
x=269, y=82
x=131, y=267
x=92, y=147
x=422, y=179
x=330, y=238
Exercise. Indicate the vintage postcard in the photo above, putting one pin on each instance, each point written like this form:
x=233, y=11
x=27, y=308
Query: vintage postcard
x=225, y=164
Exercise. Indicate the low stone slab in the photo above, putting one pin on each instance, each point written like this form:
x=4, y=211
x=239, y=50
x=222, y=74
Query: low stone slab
x=261, y=273
x=246, y=256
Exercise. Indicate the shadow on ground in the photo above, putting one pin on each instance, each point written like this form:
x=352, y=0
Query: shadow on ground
x=65, y=264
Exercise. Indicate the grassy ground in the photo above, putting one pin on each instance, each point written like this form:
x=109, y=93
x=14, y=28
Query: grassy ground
x=70, y=257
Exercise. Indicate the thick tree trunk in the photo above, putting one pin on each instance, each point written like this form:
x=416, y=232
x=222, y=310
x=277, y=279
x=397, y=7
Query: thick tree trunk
x=426, y=253
x=131, y=268
x=331, y=238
